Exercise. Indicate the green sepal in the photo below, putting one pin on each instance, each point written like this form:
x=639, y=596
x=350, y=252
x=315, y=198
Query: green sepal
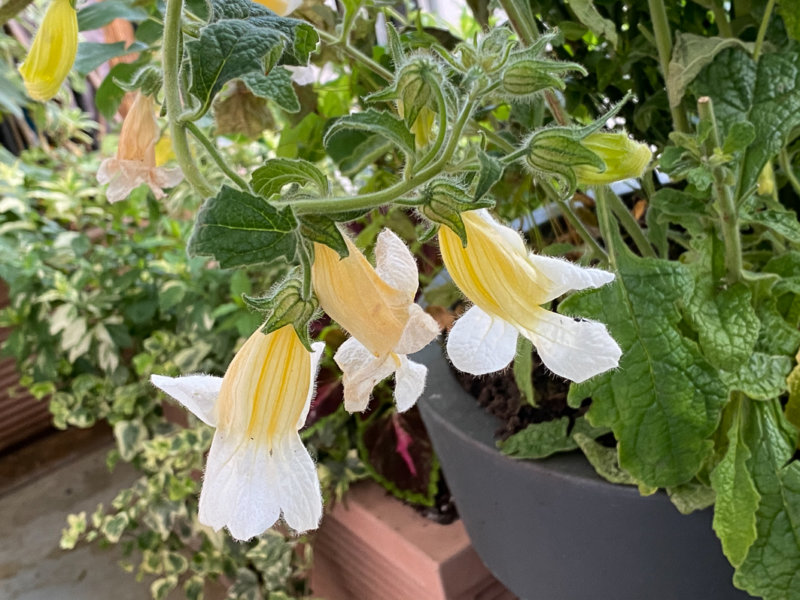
x=285, y=305
x=443, y=201
x=269, y=179
x=324, y=230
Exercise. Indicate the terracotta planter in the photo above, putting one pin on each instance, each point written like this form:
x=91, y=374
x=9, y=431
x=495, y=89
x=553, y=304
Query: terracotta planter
x=374, y=547
x=553, y=529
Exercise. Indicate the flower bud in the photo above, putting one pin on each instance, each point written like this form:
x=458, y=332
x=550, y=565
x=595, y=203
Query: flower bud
x=524, y=78
x=416, y=87
x=52, y=52
x=622, y=157
x=556, y=152
x=766, y=181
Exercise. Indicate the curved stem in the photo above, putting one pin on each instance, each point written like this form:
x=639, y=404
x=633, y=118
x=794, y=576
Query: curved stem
x=721, y=19
x=606, y=222
x=575, y=221
x=215, y=155
x=762, y=30
x=172, y=95
x=375, y=199
x=786, y=165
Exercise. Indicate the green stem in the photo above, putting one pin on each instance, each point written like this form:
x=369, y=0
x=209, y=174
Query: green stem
x=721, y=19
x=215, y=155
x=171, y=51
x=305, y=261
x=786, y=165
x=11, y=9
x=521, y=19
x=606, y=222
x=345, y=46
x=762, y=30
x=663, y=36
x=495, y=138
x=726, y=206
x=375, y=199
x=580, y=229
x=629, y=223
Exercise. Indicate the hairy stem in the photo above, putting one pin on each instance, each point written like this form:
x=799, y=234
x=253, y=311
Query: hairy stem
x=172, y=95
x=355, y=54
x=726, y=205
x=216, y=157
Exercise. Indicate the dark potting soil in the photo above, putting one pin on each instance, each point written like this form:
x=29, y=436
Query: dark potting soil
x=499, y=395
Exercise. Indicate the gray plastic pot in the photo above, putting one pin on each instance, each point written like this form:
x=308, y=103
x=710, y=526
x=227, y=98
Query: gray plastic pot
x=553, y=529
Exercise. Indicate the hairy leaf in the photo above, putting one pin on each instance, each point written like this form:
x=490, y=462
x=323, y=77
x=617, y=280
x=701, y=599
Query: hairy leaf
x=664, y=401
x=539, y=440
x=490, y=173
x=761, y=376
x=276, y=86
x=239, y=229
x=278, y=172
x=380, y=122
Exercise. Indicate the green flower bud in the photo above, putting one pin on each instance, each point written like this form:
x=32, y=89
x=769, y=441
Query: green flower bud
x=556, y=153
x=622, y=157
x=445, y=200
x=524, y=78
x=416, y=87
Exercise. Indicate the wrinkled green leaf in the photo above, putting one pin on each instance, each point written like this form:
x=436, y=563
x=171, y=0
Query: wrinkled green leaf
x=238, y=229
x=781, y=222
x=539, y=440
x=737, y=497
x=92, y=54
x=761, y=376
x=770, y=568
x=664, y=401
x=323, y=229
x=94, y=16
x=692, y=496
x=587, y=14
x=276, y=86
x=604, y=460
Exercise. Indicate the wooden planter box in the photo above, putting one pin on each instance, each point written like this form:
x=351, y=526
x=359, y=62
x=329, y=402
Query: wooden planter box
x=374, y=547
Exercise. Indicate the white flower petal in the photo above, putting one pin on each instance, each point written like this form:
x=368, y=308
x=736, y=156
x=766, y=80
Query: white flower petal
x=419, y=331
x=395, y=264
x=162, y=177
x=479, y=343
x=409, y=383
x=297, y=484
x=198, y=393
x=567, y=276
x=240, y=487
x=361, y=371
x=317, y=348
x=576, y=350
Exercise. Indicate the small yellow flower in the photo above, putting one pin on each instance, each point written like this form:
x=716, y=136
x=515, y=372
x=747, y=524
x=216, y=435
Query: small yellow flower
x=52, y=52
x=135, y=162
x=624, y=158
x=257, y=467
x=376, y=307
x=507, y=285
x=766, y=181
x=281, y=7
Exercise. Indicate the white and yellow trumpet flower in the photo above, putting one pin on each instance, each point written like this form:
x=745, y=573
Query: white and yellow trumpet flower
x=507, y=284
x=52, y=51
x=376, y=307
x=257, y=468
x=135, y=161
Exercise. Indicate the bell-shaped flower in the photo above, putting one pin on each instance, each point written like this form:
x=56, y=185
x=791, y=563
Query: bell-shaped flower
x=52, y=51
x=135, y=161
x=281, y=7
x=376, y=307
x=257, y=468
x=507, y=284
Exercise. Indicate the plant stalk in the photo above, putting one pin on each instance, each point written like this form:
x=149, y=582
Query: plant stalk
x=663, y=36
x=216, y=157
x=11, y=9
x=762, y=30
x=345, y=46
x=629, y=223
x=726, y=205
x=172, y=96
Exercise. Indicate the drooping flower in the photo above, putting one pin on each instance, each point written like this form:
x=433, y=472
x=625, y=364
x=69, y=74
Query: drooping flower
x=135, y=161
x=507, y=284
x=623, y=158
x=281, y=7
x=376, y=307
x=257, y=468
x=52, y=51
